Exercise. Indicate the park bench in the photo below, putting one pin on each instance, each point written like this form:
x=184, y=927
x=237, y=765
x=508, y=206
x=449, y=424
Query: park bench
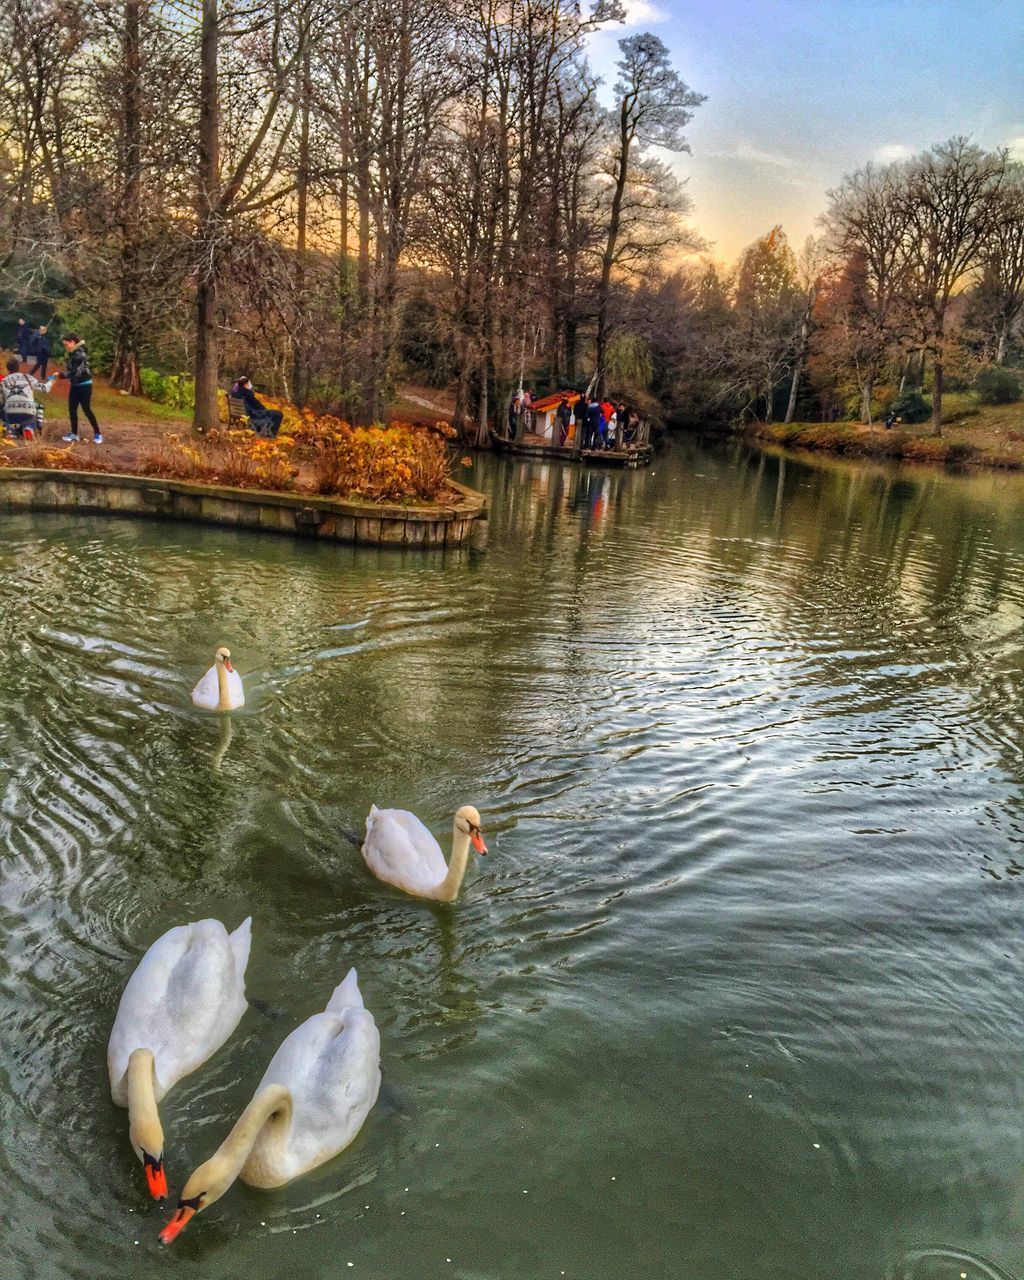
x=238, y=414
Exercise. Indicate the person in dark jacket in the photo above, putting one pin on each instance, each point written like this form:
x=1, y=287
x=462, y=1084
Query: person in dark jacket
x=263, y=421
x=79, y=375
x=564, y=416
x=41, y=351
x=21, y=336
x=592, y=424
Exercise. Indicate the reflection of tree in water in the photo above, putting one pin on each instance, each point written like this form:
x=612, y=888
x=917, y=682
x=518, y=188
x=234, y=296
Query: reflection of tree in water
x=889, y=590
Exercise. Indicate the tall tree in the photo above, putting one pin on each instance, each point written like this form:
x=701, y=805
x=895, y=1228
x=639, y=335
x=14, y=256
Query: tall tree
x=952, y=199
x=869, y=223
x=654, y=106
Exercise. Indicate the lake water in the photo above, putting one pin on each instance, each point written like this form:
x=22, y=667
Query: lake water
x=737, y=993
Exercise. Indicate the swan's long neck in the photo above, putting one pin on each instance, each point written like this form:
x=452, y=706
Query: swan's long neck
x=448, y=889
x=144, y=1128
x=274, y=1101
x=224, y=699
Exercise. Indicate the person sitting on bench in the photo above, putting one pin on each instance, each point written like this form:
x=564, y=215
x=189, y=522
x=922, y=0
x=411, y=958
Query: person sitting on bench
x=263, y=421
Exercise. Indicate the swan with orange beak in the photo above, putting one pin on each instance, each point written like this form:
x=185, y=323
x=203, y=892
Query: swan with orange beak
x=400, y=850
x=312, y=1101
x=179, y=1006
x=221, y=687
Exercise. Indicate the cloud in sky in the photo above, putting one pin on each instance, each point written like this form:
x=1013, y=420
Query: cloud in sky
x=748, y=153
x=1015, y=146
x=641, y=13
x=893, y=151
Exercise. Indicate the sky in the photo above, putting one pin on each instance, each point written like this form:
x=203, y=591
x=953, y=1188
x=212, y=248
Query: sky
x=802, y=91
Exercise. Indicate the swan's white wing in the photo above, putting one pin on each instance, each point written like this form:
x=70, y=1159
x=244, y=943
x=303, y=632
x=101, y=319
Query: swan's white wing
x=182, y=1002
x=236, y=697
x=399, y=849
x=331, y=1066
x=206, y=694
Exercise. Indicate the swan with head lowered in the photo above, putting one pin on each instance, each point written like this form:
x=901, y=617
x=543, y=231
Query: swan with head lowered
x=221, y=688
x=312, y=1101
x=180, y=1005
x=400, y=850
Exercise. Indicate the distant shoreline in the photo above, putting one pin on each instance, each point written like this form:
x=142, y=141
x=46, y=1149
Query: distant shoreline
x=990, y=437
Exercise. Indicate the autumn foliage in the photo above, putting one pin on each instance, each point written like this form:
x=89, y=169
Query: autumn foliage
x=230, y=456
x=311, y=454
x=384, y=464
x=48, y=456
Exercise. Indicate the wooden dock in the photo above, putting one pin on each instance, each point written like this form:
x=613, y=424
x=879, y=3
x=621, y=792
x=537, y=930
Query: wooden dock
x=531, y=446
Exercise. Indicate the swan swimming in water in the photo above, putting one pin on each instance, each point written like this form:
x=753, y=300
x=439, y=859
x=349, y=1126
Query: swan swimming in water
x=312, y=1101
x=400, y=850
x=183, y=1001
x=221, y=688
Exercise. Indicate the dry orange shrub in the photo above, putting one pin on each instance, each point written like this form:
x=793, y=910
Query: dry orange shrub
x=231, y=456
x=384, y=464
x=40, y=455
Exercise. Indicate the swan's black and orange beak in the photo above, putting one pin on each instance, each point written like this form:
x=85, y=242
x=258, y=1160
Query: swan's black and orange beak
x=476, y=835
x=227, y=664
x=184, y=1214
x=156, y=1178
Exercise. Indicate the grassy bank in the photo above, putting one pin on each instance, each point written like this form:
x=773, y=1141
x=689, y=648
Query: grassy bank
x=974, y=435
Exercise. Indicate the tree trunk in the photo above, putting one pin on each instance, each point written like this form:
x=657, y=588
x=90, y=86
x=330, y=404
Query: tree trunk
x=1004, y=337
x=867, y=395
x=793, y=387
x=608, y=258
x=937, y=395
x=482, y=438
x=126, y=374
x=301, y=203
x=798, y=364
x=207, y=353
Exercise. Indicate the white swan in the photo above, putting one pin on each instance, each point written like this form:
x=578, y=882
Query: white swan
x=400, y=850
x=310, y=1104
x=180, y=1005
x=221, y=688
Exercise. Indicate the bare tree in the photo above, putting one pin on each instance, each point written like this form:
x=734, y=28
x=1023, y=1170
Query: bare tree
x=952, y=199
x=869, y=221
x=811, y=265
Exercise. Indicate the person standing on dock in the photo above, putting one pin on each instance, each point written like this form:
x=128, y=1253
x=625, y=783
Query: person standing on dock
x=591, y=423
x=513, y=415
x=564, y=416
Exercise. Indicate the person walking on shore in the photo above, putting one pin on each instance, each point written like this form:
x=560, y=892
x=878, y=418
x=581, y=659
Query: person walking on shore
x=20, y=343
x=41, y=351
x=78, y=373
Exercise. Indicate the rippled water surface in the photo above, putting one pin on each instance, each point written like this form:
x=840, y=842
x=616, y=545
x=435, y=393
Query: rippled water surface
x=737, y=992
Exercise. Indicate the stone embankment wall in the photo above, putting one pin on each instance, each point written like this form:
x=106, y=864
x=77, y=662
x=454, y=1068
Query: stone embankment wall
x=444, y=524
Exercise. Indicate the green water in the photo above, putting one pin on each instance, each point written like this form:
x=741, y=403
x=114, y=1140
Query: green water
x=737, y=993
